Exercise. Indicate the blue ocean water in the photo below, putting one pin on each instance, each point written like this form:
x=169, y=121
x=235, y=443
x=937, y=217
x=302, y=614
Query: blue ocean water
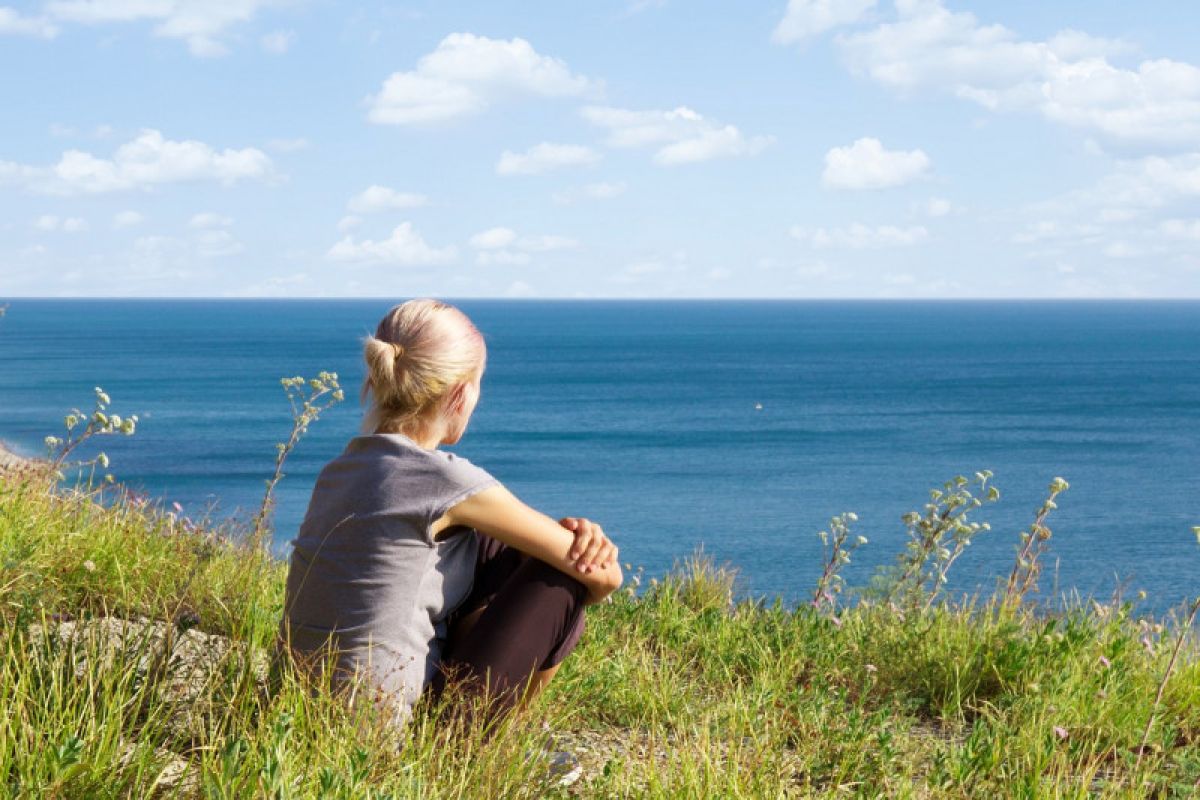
x=643, y=415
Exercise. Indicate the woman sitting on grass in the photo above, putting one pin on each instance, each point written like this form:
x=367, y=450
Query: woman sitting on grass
x=413, y=564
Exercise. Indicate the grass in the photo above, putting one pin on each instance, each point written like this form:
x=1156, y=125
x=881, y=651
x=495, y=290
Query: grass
x=675, y=691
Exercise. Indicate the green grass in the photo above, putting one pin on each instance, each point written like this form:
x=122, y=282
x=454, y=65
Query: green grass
x=675, y=691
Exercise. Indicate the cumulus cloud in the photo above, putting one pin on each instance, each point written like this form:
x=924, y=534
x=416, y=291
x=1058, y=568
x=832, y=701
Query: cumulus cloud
x=127, y=219
x=502, y=245
x=382, y=198
x=277, y=42
x=52, y=223
x=209, y=220
x=405, y=247
x=867, y=165
x=14, y=23
x=602, y=190
x=807, y=18
x=680, y=135
x=938, y=207
x=1181, y=228
x=1067, y=78
x=201, y=24
x=148, y=160
x=465, y=74
x=545, y=157
x=858, y=236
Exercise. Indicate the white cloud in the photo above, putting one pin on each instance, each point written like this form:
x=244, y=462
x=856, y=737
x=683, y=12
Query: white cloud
x=217, y=244
x=545, y=157
x=1181, y=228
x=405, y=247
x=381, y=198
x=348, y=223
x=1068, y=78
x=866, y=165
x=493, y=238
x=145, y=161
x=858, y=236
x=127, y=219
x=502, y=245
x=807, y=18
x=50, y=223
x=938, y=207
x=602, y=190
x=199, y=23
x=681, y=135
x=277, y=42
x=12, y=22
x=465, y=74
x=209, y=220
x=520, y=289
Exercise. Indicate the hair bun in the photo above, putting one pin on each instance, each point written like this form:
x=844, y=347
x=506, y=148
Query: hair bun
x=397, y=348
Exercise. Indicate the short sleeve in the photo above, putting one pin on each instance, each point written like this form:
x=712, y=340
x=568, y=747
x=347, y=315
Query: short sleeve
x=460, y=479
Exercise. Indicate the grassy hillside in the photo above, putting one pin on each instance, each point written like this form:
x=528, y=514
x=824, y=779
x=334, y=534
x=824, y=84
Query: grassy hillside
x=136, y=662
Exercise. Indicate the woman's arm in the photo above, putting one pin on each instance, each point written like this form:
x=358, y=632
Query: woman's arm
x=496, y=512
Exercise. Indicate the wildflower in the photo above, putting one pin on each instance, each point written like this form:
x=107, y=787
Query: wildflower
x=102, y=460
x=1061, y=732
x=89, y=565
x=871, y=668
x=1146, y=643
x=1105, y=662
x=178, y=508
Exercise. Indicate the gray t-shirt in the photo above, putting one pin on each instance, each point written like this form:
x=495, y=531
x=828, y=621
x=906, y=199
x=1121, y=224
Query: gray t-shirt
x=365, y=573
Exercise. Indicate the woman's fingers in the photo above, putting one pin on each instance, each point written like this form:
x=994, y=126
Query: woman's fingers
x=584, y=530
x=592, y=549
x=590, y=557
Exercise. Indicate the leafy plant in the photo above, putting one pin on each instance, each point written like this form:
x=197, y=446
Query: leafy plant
x=309, y=399
x=936, y=539
x=1034, y=542
x=837, y=546
x=101, y=422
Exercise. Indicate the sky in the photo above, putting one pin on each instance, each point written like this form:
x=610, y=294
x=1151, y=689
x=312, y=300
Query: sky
x=609, y=149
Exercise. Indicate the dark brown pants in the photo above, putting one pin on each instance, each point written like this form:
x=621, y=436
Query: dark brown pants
x=533, y=617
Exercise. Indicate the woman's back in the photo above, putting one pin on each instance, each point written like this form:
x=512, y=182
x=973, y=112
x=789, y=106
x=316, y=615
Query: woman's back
x=366, y=570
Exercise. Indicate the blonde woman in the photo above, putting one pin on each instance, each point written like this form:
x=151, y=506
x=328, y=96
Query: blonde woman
x=412, y=563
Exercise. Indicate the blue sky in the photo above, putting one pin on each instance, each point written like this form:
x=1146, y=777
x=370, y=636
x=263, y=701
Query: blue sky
x=632, y=148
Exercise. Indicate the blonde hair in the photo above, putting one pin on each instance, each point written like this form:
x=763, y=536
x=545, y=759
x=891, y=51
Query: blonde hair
x=421, y=350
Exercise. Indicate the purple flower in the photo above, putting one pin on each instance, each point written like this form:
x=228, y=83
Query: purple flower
x=1061, y=732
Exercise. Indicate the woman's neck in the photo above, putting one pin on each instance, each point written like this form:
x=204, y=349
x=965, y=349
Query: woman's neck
x=427, y=436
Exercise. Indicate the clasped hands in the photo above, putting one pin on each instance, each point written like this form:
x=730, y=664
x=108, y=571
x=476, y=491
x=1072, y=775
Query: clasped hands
x=592, y=550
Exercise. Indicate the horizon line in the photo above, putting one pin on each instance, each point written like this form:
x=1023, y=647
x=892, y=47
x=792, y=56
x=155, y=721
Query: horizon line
x=15, y=298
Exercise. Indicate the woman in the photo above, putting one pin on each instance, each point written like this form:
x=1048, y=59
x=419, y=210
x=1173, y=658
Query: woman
x=414, y=565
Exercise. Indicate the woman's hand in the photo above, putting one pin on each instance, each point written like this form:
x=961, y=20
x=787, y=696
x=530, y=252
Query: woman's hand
x=496, y=512
x=592, y=549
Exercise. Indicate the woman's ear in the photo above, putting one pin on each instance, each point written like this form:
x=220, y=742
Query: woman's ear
x=457, y=399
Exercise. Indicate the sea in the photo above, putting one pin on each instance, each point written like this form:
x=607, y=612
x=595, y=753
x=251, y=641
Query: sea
x=732, y=428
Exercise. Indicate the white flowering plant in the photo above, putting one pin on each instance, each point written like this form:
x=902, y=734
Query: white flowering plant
x=936, y=539
x=1034, y=542
x=837, y=544
x=309, y=398
x=79, y=428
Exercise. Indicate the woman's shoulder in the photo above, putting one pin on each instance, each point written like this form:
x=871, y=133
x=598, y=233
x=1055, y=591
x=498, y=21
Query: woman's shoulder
x=390, y=453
